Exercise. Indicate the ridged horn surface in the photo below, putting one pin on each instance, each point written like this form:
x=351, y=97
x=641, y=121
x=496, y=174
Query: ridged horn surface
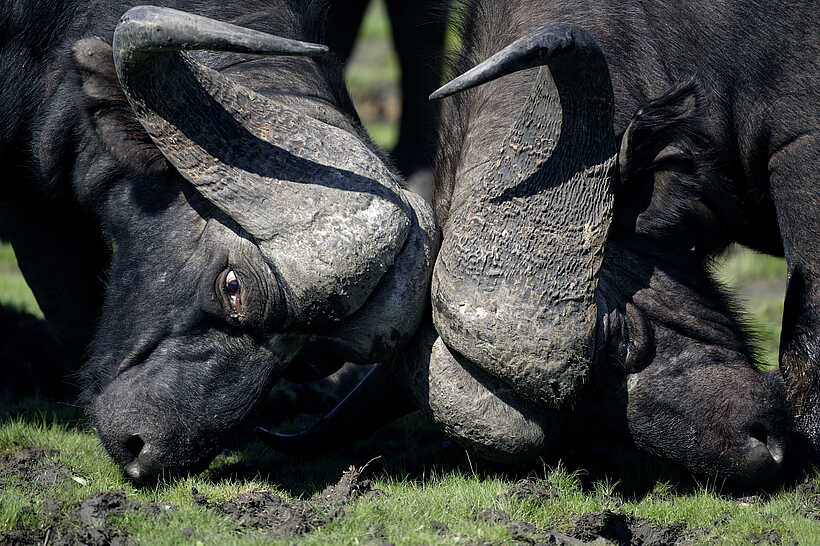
x=314, y=195
x=515, y=281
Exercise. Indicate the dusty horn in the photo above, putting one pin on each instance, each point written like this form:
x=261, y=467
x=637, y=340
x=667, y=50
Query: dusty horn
x=545, y=46
x=151, y=29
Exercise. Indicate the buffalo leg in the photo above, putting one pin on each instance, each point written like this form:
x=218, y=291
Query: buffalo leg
x=63, y=260
x=795, y=187
x=418, y=36
x=30, y=356
x=347, y=17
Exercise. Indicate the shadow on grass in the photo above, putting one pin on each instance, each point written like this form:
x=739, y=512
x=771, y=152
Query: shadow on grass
x=412, y=450
x=41, y=411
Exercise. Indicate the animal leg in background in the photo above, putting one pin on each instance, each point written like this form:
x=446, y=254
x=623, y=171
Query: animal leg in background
x=63, y=261
x=795, y=187
x=418, y=37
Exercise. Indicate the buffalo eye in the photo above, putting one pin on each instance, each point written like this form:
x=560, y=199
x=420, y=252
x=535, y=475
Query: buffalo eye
x=232, y=289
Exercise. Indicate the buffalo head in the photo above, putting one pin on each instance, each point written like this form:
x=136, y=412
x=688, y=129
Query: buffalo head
x=254, y=235
x=549, y=282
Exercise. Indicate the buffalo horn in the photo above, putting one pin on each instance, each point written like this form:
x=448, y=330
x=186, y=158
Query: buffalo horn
x=546, y=46
x=515, y=282
x=144, y=30
x=239, y=148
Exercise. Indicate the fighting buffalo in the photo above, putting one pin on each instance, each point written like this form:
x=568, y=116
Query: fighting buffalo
x=580, y=206
x=593, y=159
x=198, y=211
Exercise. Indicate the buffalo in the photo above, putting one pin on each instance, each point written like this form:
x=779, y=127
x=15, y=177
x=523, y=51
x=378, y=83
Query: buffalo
x=581, y=204
x=198, y=211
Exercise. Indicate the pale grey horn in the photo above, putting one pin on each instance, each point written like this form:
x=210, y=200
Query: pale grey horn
x=515, y=294
x=243, y=151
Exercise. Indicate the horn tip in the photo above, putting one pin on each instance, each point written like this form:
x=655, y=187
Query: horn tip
x=440, y=93
x=271, y=436
x=318, y=49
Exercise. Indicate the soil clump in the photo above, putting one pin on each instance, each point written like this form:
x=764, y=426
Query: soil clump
x=811, y=508
x=271, y=514
x=31, y=466
x=531, y=489
x=621, y=529
x=606, y=527
x=87, y=524
x=35, y=471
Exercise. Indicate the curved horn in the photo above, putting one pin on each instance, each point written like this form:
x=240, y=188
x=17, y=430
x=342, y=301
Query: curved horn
x=145, y=30
x=373, y=403
x=238, y=147
x=545, y=46
x=515, y=283
x=290, y=169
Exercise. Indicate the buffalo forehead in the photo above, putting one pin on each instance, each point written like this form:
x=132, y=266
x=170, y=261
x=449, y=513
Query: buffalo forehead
x=336, y=252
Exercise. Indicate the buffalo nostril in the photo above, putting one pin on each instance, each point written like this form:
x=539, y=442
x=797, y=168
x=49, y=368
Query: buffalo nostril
x=136, y=449
x=133, y=445
x=133, y=469
x=764, y=445
x=776, y=450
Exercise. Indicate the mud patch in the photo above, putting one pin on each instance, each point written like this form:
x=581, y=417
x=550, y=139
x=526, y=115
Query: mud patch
x=271, y=514
x=87, y=524
x=524, y=532
x=33, y=470
x=490, y=515
x=32, y=467
x=94, y=510
x=530, y=489
x=622, y=529
x=61, y=535
x=598, y=528
x=810, y=489
x=264, y=511
x=769, y=536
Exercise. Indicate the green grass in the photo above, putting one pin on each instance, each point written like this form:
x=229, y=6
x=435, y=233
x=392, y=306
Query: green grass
x=14, y=291
x=413, y=500
x=372, y=77
x=759, y=282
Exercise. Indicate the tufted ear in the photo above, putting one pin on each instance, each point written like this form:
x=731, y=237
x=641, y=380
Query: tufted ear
x=668, y=172
x=102, y=98
x=668, y=129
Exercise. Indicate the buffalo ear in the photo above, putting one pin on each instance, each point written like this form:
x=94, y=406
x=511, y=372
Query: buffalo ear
x=668, y=129
x=669, y=172
x=103, y=100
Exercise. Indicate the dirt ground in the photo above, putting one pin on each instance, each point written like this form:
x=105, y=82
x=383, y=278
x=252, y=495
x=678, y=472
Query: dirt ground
x=269, y=515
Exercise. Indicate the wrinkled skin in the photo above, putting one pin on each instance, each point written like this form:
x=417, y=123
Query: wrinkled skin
x=666, y=353
x=315, y=255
